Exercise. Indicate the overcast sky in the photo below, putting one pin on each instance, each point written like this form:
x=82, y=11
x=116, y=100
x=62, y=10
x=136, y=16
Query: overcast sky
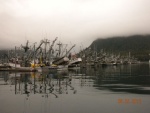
x=73, y=21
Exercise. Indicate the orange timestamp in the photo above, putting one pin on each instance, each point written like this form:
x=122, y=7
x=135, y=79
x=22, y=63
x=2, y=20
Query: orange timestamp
x=129, y=101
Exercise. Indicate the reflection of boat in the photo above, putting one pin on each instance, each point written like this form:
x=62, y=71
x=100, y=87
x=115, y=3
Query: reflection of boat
x=46, y=68
x=62, y=67
x=13, y=75
x=41, y=83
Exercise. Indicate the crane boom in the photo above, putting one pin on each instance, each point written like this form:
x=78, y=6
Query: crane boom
x=70, y=50
x=51, y=47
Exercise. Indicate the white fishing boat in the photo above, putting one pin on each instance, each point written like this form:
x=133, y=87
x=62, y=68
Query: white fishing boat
x=75, y=62
x=60, y=61
x=16, y=66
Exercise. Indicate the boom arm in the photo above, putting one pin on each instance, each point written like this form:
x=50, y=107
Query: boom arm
x=70, y=49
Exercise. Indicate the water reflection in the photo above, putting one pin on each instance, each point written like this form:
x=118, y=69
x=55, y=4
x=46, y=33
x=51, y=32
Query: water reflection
x=76, y=90
x=122, y=79
x=53, y=83
x=116, y=79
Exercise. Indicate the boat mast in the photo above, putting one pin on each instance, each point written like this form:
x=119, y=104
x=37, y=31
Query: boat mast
x=46, y=42
x=70, y=50
x=34, y=56
x=51, y=47
x=15, y=57
x=59, y=49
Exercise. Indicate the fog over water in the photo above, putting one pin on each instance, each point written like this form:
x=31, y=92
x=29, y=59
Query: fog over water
x=73, y=21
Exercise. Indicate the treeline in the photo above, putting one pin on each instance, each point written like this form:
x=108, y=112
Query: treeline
x=3, y=53
x=137, y=45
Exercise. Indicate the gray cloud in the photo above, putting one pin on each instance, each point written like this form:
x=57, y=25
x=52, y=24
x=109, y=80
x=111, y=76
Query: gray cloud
x=78, y=21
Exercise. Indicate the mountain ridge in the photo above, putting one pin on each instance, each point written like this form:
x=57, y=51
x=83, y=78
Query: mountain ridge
x=137, y=45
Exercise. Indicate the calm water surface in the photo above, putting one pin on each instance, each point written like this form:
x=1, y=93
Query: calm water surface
x=112, y=89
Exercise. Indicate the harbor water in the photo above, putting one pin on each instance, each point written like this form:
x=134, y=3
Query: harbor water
x=110, y=89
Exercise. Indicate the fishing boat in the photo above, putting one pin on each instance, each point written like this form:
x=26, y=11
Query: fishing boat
x=75, y=62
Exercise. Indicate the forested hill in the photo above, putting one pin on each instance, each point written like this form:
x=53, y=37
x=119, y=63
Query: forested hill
x=137, y=45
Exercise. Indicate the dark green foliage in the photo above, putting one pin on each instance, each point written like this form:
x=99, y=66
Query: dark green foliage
x=137, y=45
